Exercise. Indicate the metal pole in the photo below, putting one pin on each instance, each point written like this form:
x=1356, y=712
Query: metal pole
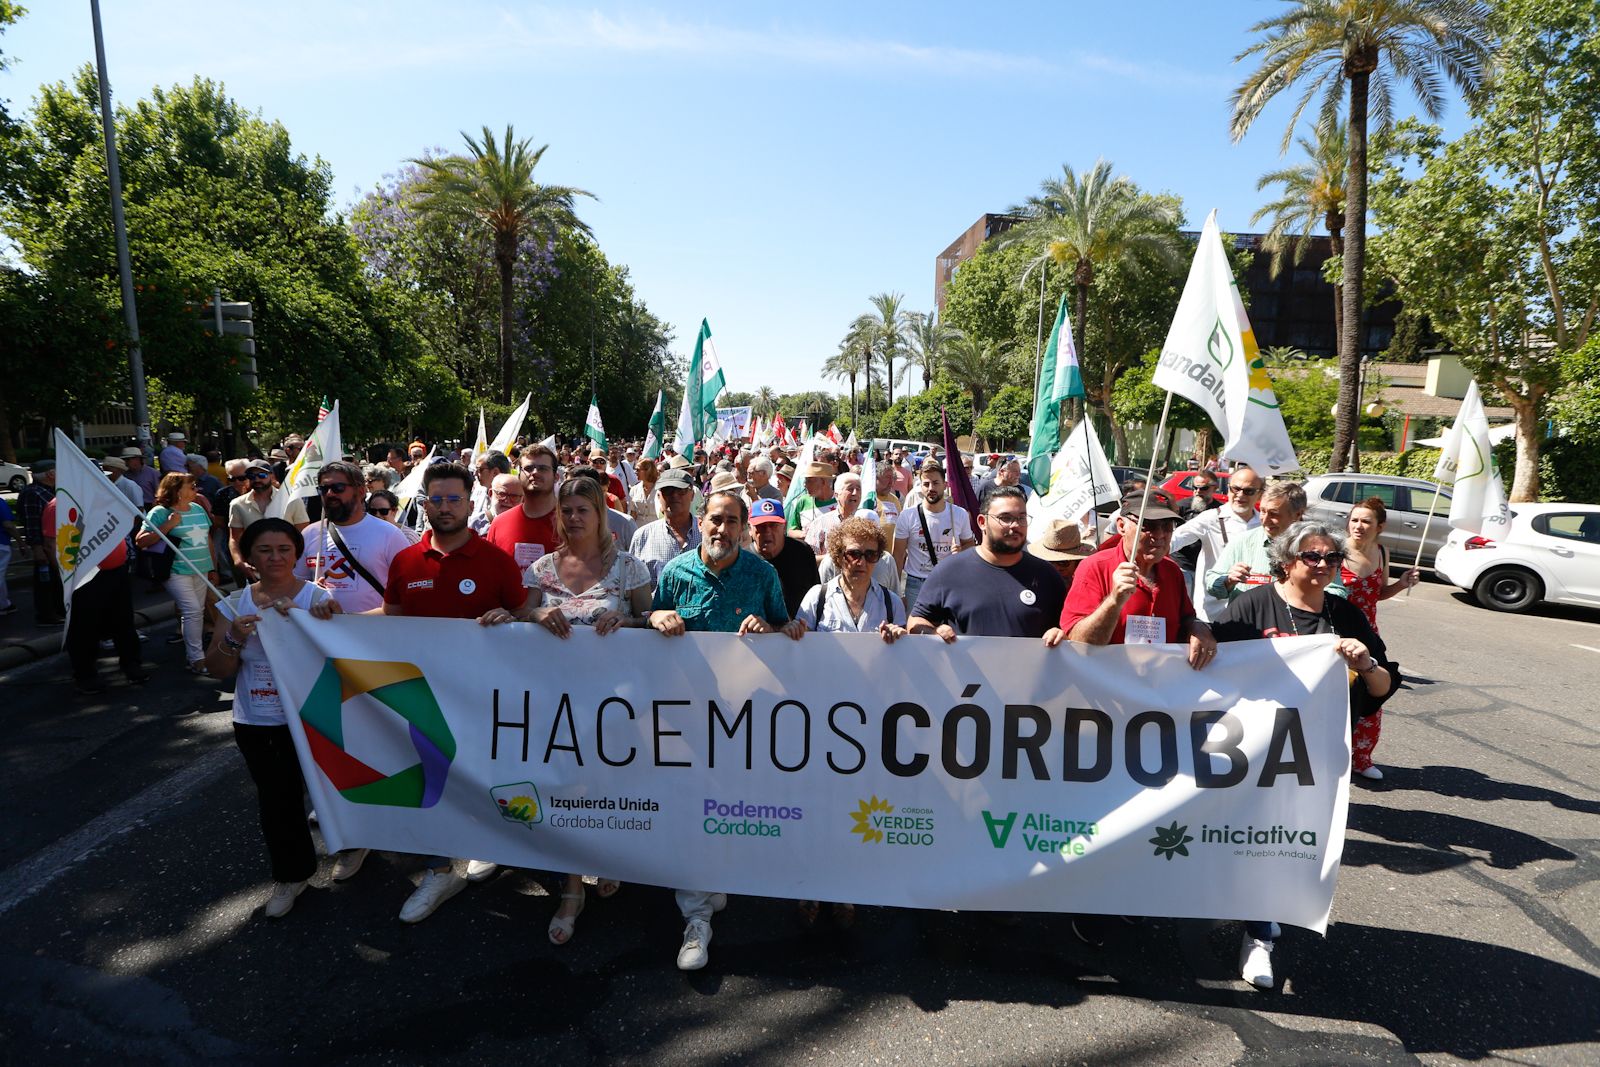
x=227, y=412
x=130, y=314
x=1038, y=344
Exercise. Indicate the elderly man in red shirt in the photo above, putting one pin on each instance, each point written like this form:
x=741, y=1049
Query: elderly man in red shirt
x=1133, y=593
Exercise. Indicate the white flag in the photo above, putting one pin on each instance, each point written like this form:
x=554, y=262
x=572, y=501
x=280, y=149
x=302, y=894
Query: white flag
x=1080, y=478
x=1478, y=502
x=869, y=480
x=508, y=433
x=410, y=486
x=1210, y=358
x=481, y=445
x=324, y=445
x=549, y=442
x=92, y=516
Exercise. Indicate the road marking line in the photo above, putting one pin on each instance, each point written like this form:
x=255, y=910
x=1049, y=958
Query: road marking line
x=1587, y=648
x=26, y=878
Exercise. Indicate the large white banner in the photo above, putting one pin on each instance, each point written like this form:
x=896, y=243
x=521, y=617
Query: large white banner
x=987, y=774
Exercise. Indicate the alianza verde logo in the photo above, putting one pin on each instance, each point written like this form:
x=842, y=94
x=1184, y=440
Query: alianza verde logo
x=402, y=689
x=1171, y=840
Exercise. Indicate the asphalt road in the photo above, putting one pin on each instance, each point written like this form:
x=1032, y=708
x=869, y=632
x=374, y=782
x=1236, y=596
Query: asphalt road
x=1466, y=921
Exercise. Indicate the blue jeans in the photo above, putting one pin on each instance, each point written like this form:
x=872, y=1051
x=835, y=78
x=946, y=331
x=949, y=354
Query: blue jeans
x=913, y=588
x=1259, y=929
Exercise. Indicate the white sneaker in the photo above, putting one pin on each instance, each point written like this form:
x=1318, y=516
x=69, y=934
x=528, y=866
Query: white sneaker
x=1372, y=773
x=282, y=899
x=1255, y=962
x=718, y=901
x=696, y=936
x=436, y=888
x=478, y=870
x=347, y=863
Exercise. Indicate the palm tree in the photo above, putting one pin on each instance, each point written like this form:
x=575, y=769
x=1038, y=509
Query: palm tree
x=1313, y=192
x=979, y=367
x=890, y=324
x=927, y=340
x=1091, y=223
x=765, y=400
x=849, y=362
x=493, y=185
x=863, y=337
x=1323, y=44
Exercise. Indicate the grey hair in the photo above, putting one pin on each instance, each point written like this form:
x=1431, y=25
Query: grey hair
x=235, y=466
x=1291, y=493
x=378, y=470
x=762, y=463
x=838, y=483
x=1285, y=549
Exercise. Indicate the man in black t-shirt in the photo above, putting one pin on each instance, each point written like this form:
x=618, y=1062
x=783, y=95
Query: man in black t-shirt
x=997, y=591
x=789, y=556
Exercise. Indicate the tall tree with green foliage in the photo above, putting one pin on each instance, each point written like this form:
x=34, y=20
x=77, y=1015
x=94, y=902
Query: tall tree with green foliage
x=927, y=339
x=1325, y=46
x=1495, y=236
x=978, y=367
x=1312, y=193
x=849, y=363
x=493, y=184
x=887, y=326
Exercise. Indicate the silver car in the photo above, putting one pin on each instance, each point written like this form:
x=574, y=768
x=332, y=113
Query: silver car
x=1329, y=498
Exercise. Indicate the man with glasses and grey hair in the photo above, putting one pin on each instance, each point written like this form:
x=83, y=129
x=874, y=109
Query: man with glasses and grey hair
x=1245, y=563
x=1200, y=542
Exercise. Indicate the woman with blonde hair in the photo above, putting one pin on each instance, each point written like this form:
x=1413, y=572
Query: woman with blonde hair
x=588, y=581
x=642, y=496
x=179, y=514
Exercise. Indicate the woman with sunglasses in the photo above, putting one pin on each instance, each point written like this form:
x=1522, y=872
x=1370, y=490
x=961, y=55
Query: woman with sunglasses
x=851, y=602
x=1304, y=560
x=386, y=506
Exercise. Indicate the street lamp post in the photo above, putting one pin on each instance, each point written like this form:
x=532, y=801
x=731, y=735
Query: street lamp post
x=130, y=314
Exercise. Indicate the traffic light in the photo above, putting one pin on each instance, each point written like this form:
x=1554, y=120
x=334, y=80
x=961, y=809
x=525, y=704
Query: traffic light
x=232, y=318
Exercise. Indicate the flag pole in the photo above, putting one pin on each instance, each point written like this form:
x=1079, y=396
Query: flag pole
x=1038, y=344
x=1094, y=487
x=1416, y=564
x=1155, y=450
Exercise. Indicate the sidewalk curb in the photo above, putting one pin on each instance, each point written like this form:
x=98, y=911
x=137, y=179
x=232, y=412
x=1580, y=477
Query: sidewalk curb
x=16, y=653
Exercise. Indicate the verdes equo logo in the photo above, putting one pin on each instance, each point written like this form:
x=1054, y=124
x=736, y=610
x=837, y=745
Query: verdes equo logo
x=402, y=689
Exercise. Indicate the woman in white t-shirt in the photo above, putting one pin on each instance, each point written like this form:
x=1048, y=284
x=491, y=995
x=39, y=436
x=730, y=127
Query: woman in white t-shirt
x=260, y=728
x=588, y=581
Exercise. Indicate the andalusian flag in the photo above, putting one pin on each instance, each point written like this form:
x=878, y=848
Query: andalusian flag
x=1478, y=502
x=1059, y=379
x=655, y=435
x=691, y=415
x=591, y=427
x=1210, y=358
x=712, y=380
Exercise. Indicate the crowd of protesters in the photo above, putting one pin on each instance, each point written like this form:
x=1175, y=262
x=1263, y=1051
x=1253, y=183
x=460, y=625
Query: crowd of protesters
x=710, y=541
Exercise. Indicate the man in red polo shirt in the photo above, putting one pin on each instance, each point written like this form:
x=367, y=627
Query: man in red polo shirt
x=528, y=532
x=1134, y=594
x=451, y=573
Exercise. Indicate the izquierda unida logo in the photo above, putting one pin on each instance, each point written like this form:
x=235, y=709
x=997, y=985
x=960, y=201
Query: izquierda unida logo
x=743, y=818
x=878, y=823
x=1041, y=831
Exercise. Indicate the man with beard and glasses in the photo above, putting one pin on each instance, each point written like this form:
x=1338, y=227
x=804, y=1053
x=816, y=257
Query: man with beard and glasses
x=722, y=588
x=997, y=591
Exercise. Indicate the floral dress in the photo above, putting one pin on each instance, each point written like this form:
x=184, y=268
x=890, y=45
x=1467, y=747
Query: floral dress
x=610, y=593
x=1364, y=594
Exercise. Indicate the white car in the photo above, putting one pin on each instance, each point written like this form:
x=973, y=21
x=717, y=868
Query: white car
x=1552, y=554
x=14, y=477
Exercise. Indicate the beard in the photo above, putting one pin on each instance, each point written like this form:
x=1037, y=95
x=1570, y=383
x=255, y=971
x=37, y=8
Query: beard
x=717, y=551
x=447, y=522
x=337, y=509
x=1008, y=543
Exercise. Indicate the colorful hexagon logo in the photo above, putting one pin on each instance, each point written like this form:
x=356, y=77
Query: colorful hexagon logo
x=401, y=688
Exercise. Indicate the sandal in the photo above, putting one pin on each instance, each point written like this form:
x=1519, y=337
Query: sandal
x=561, y=928
x=606, y=888
x=808, y=911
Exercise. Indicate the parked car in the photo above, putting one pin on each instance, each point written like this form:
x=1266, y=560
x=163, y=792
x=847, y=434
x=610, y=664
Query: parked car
x=1551, y=554
x=1181, y=485
x=1329, y=498
x=14, y=477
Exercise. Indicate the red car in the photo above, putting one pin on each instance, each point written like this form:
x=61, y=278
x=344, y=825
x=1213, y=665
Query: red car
x=1181, y=485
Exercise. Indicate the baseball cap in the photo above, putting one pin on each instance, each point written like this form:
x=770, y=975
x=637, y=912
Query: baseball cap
x=676, y=478
x=765, y=509
x=44, y=466
x=1157, y=504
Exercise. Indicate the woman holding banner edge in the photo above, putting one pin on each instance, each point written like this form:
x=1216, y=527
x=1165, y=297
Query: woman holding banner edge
x=1303, y=562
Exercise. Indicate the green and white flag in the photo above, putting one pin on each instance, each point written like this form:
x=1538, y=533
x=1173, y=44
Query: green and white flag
x=712, y=380
x=1478, y=501
x=324, y=445
x=591, y=427
x=692, y=414
x=1059, y=379
x=655, y=435
x=1210, y=358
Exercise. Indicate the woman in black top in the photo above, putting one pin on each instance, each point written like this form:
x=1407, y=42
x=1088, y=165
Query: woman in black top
x=1304, y=560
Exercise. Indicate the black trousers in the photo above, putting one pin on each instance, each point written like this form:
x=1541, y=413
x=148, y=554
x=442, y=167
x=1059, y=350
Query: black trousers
x=102, y=609
x=269, y=753
x=47, y=603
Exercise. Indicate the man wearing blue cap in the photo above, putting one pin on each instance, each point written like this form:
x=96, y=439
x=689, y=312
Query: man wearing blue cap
x=789, y=556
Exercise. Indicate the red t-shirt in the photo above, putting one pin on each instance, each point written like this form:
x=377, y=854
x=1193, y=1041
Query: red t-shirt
x=461, y=585
x=1167, y=599
x=522, y=538
x=615, y=488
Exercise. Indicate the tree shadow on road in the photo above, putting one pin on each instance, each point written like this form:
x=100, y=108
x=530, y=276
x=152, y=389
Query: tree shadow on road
x=1470, y=784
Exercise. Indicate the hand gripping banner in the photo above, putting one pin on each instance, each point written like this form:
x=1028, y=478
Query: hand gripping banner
x=987, y=774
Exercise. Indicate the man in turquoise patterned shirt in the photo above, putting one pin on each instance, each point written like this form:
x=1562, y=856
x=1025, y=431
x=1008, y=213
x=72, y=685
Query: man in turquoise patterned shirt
x=721, y=588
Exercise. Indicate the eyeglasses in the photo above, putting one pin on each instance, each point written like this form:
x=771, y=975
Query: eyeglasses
x=1008, y=520
x=501, y=494
x=238, y=477
x=535, y=468
x=1313, y=559
x=1244, y=490
x=380, y=512
x=863, y=555
x=334, y=487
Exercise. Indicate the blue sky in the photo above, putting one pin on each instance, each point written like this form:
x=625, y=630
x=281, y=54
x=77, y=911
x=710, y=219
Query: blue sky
x=766, y=167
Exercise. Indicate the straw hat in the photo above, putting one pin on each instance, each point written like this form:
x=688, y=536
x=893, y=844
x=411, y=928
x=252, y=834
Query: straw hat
x=1061, y=541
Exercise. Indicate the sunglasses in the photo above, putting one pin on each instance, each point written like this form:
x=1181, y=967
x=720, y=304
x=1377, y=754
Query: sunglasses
x=380, y=512
x=448, y=498
x=863, y=555
x=1242, y=491
x=1313, y=559
x=258, y=476
x=334, y=487
x=239, y=477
